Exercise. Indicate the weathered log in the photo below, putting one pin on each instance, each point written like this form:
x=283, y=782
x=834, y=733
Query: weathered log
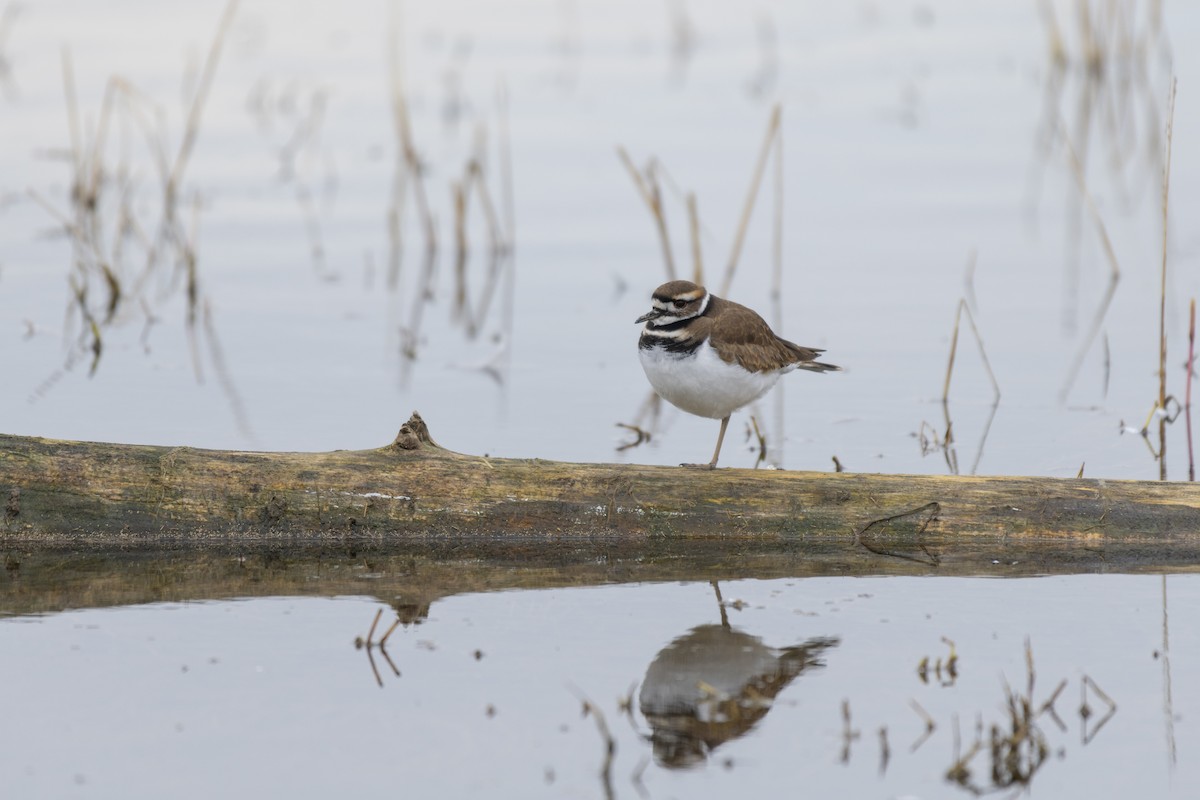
x=411, y=492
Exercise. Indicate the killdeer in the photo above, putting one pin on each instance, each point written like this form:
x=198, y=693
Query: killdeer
x=710, y=356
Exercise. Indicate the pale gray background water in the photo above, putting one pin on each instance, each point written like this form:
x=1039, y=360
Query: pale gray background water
x=914, y=134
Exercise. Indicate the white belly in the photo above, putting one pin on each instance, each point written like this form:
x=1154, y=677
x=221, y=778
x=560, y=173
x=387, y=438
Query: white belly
x=703, y=384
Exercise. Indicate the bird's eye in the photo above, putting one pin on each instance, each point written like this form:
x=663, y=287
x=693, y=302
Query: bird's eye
x=679, y=303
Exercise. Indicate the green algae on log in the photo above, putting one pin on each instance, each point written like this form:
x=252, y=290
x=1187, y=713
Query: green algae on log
x=88, y=494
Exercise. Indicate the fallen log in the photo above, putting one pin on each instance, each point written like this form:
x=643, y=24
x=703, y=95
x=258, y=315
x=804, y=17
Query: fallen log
x=76, y=494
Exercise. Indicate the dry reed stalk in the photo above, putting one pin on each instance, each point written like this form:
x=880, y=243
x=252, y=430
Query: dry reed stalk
x=476, y=178
x=962, y=306
x=930, y=725
x=777, y=235
x=73, y=128
x=474, y=182
x=1191, y=374
x=969, y=280
x=224, y=377
x=609, y=743
x=402, y=125
x=395, y=222
x=1191, y=362
x=773, y=128
x=374, y=623
x=506, y=178
x=947, y=445
x=694, y=225
x=1168, y=702
x=1162, y=297
x=776, y=457
x=196, y=112
x=648, y=188
x=102, y=199
x=458, y=193
x=849, y=732
x=1114, y=275
x=410, y=334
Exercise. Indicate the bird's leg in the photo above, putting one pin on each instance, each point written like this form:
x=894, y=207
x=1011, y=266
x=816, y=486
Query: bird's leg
x=720, y=438
x=716, y=453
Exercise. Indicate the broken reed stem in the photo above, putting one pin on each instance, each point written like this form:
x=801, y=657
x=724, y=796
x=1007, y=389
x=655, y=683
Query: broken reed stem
x=953, y=352
x=72, y=99
x=395, y=219
x=384, y=638
x=192, y=129
x=473, y=181
x=1191, y=373
x=224, y=377
x=777, y=293
x=374, y=622
x=476, y=178
x=647, y=186
x=1162, y=297
x=930, y=725
x=610, y=745
x=403, y=128
x=694, y=223
x=1110, y=254
x=962, y=306
x=1168, y=702
x=777, y=236
x=459, y=193
x=748, y=208
x=506, y=179
x=1191, y=362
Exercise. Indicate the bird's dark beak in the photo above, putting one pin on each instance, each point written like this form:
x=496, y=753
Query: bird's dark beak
x=649, y=315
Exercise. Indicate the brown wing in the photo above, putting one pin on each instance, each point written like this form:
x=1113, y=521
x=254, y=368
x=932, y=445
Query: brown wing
x=743, y=337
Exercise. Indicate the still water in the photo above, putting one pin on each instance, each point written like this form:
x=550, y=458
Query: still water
x=707, y=689
x=926, y=157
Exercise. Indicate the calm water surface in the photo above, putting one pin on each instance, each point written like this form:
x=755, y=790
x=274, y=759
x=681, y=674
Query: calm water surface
x=924, y=161
x=482, y=696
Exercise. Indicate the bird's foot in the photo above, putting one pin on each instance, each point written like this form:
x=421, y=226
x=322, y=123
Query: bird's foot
x=699, y=466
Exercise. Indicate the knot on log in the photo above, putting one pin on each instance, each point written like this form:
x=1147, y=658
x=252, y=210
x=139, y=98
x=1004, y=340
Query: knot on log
x=414, y=435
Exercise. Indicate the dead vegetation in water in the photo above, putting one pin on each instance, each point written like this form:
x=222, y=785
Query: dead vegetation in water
x=928, y=436
x=479, y=207
x=1007, y=754
x=129, y=257
x=1166, y=407
x=1190, y=372
x=1107, y=62
x=133, y=215
x=1103, y=60
x=476, y=211
x=1015, y=748
x=369, y=644
x=950, y=667
x=1163, y=397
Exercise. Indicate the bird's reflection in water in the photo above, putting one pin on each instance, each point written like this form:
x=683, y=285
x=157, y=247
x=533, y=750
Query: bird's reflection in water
x=714, y=684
